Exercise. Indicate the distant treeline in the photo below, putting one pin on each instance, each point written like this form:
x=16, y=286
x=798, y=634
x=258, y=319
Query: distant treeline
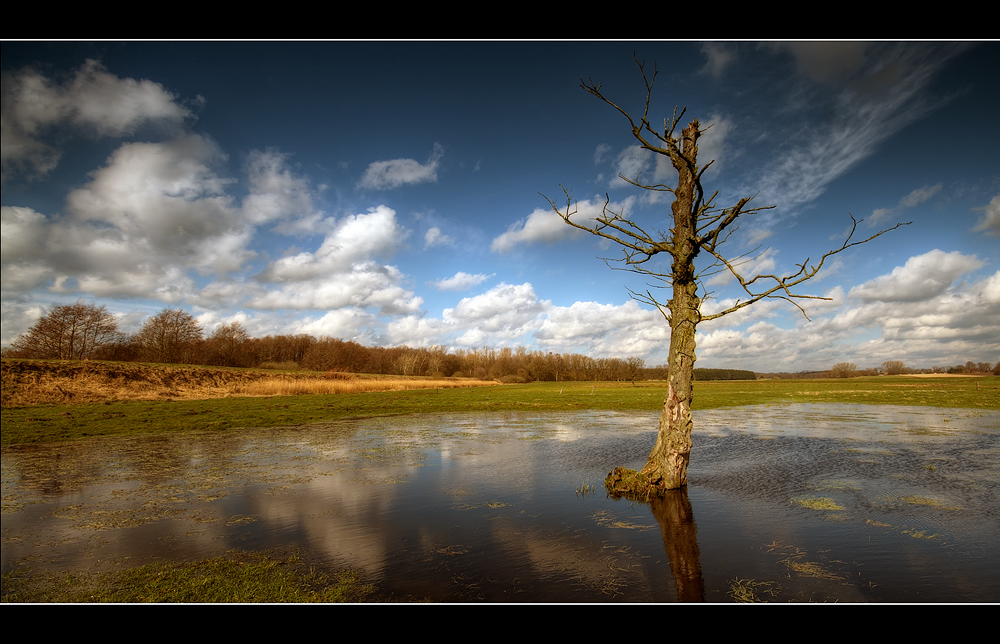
x=88, y=332
x=660, y=373
x=798, y=375
x=724, y=374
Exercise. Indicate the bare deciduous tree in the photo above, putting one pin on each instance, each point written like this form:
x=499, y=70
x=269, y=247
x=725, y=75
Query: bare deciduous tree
x=698, y=227
x=893, y=367
x=844, y=370
x=169, y=336
x=226, y=346
x=69, y=332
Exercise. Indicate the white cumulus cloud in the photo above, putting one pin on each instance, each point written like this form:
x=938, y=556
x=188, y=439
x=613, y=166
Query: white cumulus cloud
x=545, y=226
x=354, y=239
x=93, y=102
x=434, y=237
x=386, y=175
x=921, y=278
x=276, y=194
x=460, y=281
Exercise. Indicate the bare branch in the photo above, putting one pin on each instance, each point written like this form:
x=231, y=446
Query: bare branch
x=629, y=234
x=660, y=187
x=783, y=285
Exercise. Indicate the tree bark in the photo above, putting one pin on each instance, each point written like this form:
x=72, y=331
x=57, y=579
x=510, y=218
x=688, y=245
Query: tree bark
x=666, y=467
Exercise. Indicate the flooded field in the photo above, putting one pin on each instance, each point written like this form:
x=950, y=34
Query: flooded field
x=785, y=503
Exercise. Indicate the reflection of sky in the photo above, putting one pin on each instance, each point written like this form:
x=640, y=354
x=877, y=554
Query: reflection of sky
x=870, y=422
x=422, y=500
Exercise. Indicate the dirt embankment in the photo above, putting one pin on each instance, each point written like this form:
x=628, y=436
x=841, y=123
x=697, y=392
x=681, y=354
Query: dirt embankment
x=36, y=382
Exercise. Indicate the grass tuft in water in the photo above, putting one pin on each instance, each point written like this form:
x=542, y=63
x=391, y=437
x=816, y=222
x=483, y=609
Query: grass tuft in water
x=919, y=534
x=748, y=591
x=629, y=484
x=817, y=503
x=923, y=500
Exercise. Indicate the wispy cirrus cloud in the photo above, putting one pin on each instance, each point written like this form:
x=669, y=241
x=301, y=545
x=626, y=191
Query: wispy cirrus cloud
x=719, y=56
x=989, y=223
x=884, y=90
x=915, y=198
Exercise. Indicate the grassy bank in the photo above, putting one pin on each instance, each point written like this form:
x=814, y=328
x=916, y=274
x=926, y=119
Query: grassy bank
x=43, y=423
x=235, y=577
x=54, y=382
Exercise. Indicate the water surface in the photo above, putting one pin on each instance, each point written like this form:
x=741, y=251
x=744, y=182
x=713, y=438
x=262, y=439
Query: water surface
x=806, y=502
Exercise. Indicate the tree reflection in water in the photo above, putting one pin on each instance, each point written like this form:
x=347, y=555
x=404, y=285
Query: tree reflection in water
x=680, y=541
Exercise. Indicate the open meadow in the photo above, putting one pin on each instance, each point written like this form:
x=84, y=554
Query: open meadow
x=809, y=490
x=105, y=399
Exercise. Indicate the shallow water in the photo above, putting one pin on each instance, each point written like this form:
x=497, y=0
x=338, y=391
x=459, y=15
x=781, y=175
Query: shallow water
x=809, y=502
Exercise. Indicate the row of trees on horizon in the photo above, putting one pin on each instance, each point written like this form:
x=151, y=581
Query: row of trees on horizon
x=172, y=336
x=898, y=367
x=84, y=331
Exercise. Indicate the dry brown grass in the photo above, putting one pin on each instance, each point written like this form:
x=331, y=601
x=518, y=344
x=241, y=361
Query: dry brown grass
x=277, y=387
x=40, y=382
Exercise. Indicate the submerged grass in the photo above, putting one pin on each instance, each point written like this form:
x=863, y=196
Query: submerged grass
x=923, y=500
x=236, y=576
x=749, y=591
x=817, y=503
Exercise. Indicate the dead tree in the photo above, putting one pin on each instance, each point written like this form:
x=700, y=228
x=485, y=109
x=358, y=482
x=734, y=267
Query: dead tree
x=698, y=227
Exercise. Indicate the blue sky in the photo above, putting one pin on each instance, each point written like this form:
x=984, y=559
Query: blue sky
x=391, y=192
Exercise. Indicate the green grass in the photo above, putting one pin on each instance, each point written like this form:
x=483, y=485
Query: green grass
x=817, y=503
x=235, y=577
x=45, y=423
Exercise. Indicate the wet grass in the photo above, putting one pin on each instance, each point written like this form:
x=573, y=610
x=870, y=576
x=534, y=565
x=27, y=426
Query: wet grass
x=235, y=577
x=749, y=591
x=45, y=423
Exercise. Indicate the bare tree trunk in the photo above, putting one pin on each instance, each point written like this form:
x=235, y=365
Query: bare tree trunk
x=666, y=468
